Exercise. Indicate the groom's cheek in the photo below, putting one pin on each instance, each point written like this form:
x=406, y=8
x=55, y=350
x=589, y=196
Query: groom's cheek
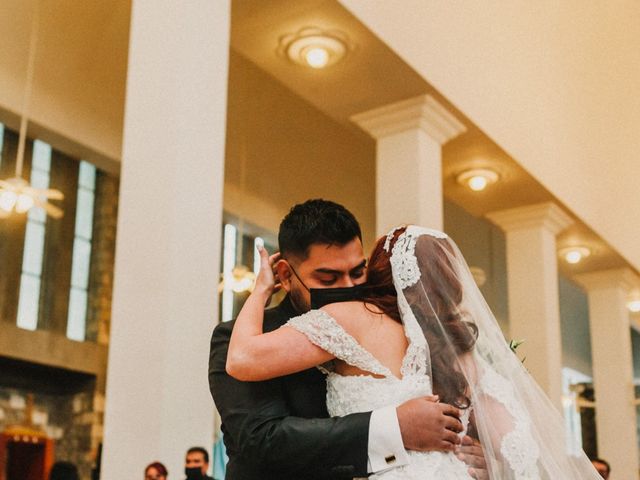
x=300, y=298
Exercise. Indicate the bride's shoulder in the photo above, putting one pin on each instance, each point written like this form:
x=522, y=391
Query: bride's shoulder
x=352, y=316
x=344, y=308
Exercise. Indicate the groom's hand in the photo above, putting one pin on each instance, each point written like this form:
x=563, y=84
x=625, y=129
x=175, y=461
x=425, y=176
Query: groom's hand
x=427, y=425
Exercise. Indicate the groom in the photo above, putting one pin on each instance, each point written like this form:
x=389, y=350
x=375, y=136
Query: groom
x=279, y=429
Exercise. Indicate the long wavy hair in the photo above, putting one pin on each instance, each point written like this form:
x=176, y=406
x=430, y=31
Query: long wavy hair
x=444, y=292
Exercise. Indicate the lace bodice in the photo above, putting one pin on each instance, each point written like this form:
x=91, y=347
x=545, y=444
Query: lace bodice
x=362, y=393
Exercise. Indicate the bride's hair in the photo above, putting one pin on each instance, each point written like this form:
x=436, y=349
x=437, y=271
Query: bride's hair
x=444, y=293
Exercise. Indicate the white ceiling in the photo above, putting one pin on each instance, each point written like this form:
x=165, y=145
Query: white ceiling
x=81, y=82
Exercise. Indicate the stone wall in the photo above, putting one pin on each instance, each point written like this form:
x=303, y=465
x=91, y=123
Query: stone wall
x=71, y=413
x=102, y=257
x=69, y=419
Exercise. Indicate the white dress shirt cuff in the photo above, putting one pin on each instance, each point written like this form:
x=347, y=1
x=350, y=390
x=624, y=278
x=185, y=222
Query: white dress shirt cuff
x=386, y=449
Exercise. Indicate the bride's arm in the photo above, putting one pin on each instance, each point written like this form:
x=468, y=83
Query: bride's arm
x=256, y=356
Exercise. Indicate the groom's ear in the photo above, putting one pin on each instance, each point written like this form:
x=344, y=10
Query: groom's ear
x=283, y=271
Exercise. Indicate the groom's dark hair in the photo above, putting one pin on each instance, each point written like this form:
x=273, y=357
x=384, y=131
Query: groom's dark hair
x=316, y=221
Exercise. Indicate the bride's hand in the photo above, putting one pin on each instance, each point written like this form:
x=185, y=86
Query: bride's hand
x=266, y=282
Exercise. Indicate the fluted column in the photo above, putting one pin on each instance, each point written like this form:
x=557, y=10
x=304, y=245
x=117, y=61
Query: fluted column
x=409, y=137
x=612, y=362
x=168, y=236
x=532, y=276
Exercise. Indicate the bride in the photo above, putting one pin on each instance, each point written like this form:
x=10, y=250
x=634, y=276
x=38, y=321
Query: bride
x=422, y=327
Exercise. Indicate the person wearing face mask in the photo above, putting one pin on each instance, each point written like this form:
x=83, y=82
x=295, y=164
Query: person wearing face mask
x=196, y=464
x=280, y=428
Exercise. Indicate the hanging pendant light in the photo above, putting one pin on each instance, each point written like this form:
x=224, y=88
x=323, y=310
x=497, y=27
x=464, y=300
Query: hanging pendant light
x=240, y=278
x=16, y=193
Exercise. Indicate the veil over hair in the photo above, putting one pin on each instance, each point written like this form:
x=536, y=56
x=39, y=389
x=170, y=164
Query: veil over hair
x=445, y=316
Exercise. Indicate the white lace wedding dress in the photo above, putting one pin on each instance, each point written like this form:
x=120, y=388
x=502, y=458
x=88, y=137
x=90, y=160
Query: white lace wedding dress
x=363, y=393
x=521, y=432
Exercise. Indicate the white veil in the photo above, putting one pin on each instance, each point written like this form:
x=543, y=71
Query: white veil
x=471, y=364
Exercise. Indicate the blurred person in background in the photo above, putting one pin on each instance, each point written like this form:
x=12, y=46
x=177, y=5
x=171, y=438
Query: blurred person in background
x=155, y=471
x=602, y=466
x=196, y=464
x=64, y=471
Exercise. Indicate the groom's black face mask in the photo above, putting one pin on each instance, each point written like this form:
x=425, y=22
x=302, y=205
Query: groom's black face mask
x=325, y=296
x=193, y=473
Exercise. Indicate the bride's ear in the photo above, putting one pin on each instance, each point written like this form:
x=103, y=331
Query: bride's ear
x=283, y=272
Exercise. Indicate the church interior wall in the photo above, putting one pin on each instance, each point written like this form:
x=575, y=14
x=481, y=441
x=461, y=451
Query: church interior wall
x=574, y=324
x=79, y=74
x=291, y=152
x=556, y=89
x=483, y=246
x=279, y=150
x=65, y=376
x=58, y=402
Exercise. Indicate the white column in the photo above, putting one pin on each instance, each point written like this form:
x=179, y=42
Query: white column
x=409, y=136
x=612, y=361
x=168, y=238
x=532, y=276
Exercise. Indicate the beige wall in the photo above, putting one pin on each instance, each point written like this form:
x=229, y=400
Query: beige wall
x=78, y=105
x=556, y=84
x=293, y=152
x=79, y=74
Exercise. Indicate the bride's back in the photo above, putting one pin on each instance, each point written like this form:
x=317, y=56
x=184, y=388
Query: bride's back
x=375, y=331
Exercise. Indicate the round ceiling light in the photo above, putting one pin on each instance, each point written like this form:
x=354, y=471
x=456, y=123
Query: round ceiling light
x=634, y=306
x=574, y=255
x=479, y=275
x=315, y=48
x=477, y=179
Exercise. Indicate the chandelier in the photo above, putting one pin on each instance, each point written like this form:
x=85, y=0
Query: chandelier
x=17, y=195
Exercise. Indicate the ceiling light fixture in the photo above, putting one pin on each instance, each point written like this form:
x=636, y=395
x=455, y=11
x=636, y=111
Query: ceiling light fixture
x=574, y=255
x=634, y=306
x=479, y=275
x=16, y=194
x=314, y=47
x=477, y=179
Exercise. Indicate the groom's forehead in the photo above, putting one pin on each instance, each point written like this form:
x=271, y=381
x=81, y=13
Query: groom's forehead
x=334, y=256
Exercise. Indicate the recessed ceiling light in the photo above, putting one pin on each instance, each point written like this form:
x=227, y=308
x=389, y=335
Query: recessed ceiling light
x=479, y=275
x=634, y=306
x=477, y=179
x=314, y=47
x=574, y=255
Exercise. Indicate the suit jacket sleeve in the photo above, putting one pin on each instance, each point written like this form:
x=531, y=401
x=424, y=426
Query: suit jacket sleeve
x=266, y=435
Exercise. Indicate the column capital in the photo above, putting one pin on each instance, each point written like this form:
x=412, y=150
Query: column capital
x=622, y=278
x=423, y=112
x=541, y=215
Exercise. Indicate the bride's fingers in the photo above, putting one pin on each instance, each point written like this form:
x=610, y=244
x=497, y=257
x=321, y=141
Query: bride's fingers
x=273, y=259
x=471, y=460
x=479, y=474
x=264, y=256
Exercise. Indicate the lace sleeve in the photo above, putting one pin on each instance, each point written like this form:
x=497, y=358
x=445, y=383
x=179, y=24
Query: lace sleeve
x=322, y=330
x=509, y=425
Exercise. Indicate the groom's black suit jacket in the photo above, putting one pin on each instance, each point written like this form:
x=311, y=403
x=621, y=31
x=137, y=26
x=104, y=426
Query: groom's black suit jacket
x=279, y=429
